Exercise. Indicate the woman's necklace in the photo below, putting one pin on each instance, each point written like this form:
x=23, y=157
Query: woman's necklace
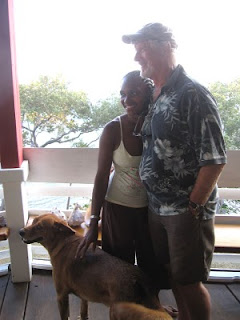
x=138, y=127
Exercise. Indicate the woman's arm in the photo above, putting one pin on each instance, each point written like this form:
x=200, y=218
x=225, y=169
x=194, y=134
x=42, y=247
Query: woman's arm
x=106, y=147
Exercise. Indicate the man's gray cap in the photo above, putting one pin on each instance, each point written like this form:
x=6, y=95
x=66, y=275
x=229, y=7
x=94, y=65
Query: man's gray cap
x=151, y=31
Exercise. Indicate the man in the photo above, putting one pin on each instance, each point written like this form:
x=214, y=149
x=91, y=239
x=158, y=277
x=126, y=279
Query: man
x=183, y=156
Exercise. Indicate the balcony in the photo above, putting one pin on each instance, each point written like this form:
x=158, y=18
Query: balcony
x=77, y=168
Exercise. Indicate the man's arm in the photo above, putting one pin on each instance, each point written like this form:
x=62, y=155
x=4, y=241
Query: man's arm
x=205, y=183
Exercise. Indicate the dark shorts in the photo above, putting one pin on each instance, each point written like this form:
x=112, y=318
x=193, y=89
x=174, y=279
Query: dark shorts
x=125, y=234
x=184, y=243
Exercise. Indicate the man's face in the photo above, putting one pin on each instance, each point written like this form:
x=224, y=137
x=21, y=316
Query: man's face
x=134, y=97
x=150, y=57
x=144, y=58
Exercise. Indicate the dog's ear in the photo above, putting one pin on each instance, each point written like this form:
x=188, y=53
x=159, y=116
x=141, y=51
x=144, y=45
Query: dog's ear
x=63, y=228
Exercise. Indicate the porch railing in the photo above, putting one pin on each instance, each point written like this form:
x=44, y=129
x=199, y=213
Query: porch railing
x=65, y=165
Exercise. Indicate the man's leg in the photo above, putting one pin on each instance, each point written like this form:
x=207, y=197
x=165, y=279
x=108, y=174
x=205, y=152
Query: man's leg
x=193, y=302
x=190, y=243
x=145, y=254
x=183, y=313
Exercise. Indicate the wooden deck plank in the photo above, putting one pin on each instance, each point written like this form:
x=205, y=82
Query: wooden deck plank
x=96, y=311
x=74, y=306
x=41, y=303
x=13, y=307
x=42, y=299
x=235, y=289
x=3, y=285
x=224, y=305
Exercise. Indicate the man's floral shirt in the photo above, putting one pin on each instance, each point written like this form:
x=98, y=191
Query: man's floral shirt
x=181, y=133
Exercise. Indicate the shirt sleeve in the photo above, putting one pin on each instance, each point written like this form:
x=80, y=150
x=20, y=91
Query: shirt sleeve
x=205, y=127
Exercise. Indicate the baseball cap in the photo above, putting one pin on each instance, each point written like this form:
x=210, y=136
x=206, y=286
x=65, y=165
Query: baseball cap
x=151, y=31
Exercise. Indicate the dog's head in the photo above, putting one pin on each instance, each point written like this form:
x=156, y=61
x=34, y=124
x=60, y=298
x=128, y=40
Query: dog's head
x=45, y=228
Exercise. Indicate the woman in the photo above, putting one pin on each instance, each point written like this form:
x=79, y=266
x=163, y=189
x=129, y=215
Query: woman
x=120, y=193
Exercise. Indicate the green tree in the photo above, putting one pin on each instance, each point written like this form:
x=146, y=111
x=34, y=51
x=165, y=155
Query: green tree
x=52, y=113
x=106, y=110
x=103, y=112
x=228, y=99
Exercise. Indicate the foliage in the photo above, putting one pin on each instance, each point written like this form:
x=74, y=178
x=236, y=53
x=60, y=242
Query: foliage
x=228, y=99
x=106, y=110
x=103, y=112
x=52, y=113
x=228, y=207
x=47, y=106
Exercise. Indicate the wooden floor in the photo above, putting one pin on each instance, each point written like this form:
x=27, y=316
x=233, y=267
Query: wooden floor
x=37, y=300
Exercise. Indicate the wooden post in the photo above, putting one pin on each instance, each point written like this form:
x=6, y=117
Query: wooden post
x=13, y=181
x=10, y=117
x=12, y=175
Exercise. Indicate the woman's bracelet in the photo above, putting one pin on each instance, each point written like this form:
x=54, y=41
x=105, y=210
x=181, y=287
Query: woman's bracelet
x=93, y=216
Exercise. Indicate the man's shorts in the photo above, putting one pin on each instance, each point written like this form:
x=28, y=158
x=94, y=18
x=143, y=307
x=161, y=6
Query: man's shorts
x=184, y=243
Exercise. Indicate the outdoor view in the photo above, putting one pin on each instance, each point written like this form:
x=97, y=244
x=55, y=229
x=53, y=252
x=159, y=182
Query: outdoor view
x=70, y=62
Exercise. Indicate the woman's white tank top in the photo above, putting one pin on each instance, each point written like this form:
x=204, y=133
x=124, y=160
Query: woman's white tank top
x=125, y=187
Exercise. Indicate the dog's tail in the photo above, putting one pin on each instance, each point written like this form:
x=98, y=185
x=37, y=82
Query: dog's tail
x=133, y=311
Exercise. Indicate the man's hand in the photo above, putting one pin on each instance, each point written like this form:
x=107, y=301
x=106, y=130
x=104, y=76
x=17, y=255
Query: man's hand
x=90, y=237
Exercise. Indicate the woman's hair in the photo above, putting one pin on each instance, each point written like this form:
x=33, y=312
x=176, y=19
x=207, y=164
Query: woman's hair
x=148, y=82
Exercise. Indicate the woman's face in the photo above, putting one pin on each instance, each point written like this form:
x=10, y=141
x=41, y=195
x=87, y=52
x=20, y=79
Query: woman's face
x=134, y=96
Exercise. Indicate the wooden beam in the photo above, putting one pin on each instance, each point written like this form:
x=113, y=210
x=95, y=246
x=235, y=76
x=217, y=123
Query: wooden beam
x=227, y=238
x=62, y=165
x=14, y=187
x=11, y=153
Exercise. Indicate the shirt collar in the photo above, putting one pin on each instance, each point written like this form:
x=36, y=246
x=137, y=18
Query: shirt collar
x=171, y=83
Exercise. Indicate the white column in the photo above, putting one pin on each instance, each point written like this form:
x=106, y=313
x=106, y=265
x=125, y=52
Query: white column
x=15, y=197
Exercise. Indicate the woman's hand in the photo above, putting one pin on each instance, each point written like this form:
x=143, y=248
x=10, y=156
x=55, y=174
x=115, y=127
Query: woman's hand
x=90, y=237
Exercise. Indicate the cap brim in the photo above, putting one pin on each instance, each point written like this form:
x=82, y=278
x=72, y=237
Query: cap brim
x=132, y=38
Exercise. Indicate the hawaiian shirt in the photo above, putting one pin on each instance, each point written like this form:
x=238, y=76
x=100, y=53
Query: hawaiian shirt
x=181, y=133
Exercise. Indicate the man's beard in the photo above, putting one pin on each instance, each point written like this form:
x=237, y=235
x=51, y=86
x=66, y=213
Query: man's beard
x=147, y=72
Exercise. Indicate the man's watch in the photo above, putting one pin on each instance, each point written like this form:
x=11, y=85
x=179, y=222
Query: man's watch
x=196, y=208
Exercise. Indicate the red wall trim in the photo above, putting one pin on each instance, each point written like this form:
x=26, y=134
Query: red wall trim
x=11, y=149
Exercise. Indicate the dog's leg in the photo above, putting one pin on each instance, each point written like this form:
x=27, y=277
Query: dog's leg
x=84, y=309
x=63, y=305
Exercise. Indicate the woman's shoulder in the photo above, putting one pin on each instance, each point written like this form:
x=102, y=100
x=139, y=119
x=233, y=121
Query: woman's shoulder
x=111, y=133
x=112, y=125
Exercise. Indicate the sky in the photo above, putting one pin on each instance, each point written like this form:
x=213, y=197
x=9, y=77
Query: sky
x=81, y=40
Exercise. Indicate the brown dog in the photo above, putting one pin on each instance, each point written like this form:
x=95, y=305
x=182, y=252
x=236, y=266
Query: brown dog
x=133, y=311
x=98, y=277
